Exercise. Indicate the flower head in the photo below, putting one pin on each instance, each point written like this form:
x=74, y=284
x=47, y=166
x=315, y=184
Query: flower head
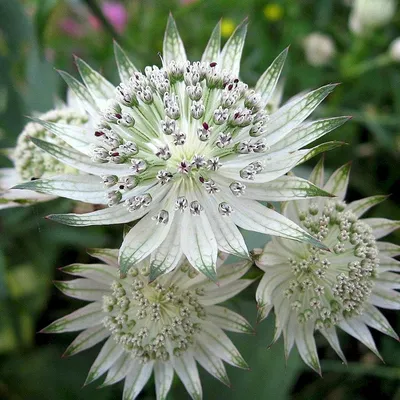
x=394, y=50
x=188, y=148
x=31, y=162
x=315, y=290
x=319, y=49
x=162, y=327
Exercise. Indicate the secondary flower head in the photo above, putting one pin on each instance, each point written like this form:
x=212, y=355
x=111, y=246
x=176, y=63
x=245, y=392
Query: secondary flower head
x=188, y=148
x=394, y=50
x=31, y=162
x=164, y=327
x=315, y=290
x=367, y=15
x=319, y=49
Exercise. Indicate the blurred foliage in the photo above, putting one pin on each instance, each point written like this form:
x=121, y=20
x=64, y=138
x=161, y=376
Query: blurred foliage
x=34, y=38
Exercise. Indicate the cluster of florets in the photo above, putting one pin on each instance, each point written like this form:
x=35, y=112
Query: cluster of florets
x=329, y=286
x=153, y=321
x=30, y=161
x=178, y=123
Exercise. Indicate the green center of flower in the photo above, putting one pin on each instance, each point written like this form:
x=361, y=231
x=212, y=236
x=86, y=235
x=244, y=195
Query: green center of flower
x=153, y=321
x=329, y=286
x=30, y=161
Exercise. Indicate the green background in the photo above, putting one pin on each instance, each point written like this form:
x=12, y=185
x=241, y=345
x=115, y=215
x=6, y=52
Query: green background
x=31, y=248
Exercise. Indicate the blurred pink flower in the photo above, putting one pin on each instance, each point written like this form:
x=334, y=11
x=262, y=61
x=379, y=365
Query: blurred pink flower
x=115, y=12
x=71, y=27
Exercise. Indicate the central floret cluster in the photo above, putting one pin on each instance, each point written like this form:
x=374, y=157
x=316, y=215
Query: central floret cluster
x=329, y=286
x=153, y=321
x=187, y=120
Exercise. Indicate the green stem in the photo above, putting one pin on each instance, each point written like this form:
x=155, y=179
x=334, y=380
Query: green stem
x=378, y=62
x=97, y=12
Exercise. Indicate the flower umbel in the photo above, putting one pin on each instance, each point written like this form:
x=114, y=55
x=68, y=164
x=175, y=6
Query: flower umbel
x=31, y=162
x=188, y=148
x=162, y=327
x=311, y=289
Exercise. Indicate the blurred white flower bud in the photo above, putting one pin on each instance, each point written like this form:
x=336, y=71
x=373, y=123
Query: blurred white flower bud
x=394, y=50
x=367, y=15
x=319, y=49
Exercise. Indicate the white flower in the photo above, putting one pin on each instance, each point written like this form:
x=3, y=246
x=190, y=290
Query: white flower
x=367, y=15
x=188, y=148
x=394, y=50
x=163, y=327
x=30, y=162
x=319, y=49
x=313, y=290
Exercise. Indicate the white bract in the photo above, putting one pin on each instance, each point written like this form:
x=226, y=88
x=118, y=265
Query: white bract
x=315, y=290
x=31, y=162
x=367, y=15
x=394, y=50
x=187, y=148
x=164, y=327
x=319, y=49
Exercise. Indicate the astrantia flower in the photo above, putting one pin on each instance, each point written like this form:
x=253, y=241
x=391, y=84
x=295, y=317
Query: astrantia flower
x=188, y=148
x=314, y=290
x=163, y=327
x=31, y=162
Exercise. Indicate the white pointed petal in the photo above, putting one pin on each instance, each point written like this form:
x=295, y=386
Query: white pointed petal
x=218, y=343
x=267, y=83
x=83, y=289
x=109, y=256
x=136, y=378
x=83, y=318
x=228, y=236
x=385, y=298
x=199, y=244
x=389, y=280
x=8, y=178
x=388, y=249
x=163, y=375
x=87, y=188
x=211, y=52
x=382, y=226
x=221, y=294
x=305, y=343
x=86, y=339
x=81, y=161
x=308, y=132
x=289, y=333
x=186, y=368
x=375, y=319
x=357, y=328
x=321, y=148
x=232, y=51
x=271, y=255
x=330, y=335
x=271, y=279
x=173, y=48
x=360, y=207
x=124, y=64
x=293, y=113
x=212, y=364
x=227, y=274
x=253, y=216
x=108, y=216
x=103, y=274
x=98, y=86
x=169, y=253
x=228, y=320
x=263, y=312
x=317, y=176
x=118, y=370
x=80, y=91
x=78, y=137
x=388, y=264
x=338, y=181
x=284, y=188
x=143, y=239
x=109, y=354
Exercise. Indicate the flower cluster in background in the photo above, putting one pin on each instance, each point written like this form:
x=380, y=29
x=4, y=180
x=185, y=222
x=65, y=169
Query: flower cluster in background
x=168, y=157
